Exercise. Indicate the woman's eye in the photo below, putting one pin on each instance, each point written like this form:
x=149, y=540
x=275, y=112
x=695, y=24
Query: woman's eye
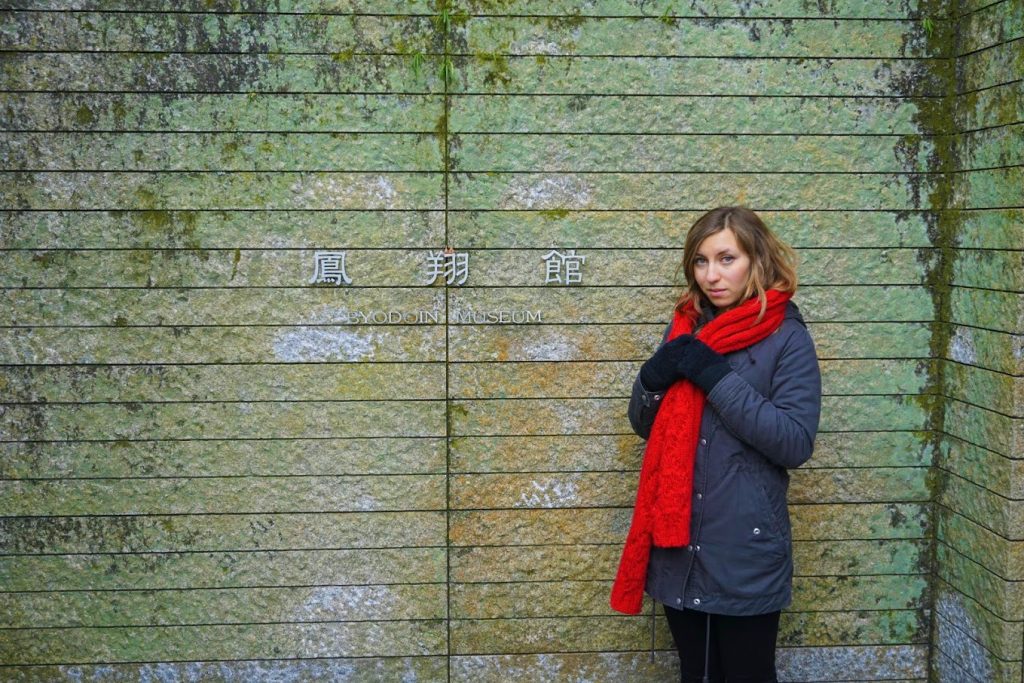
x=728, y=259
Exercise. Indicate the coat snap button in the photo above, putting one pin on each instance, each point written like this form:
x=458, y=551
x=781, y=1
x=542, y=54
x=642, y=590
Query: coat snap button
x=679, y=601
x=756, y=531
x=696, y=601
x=699, y=496
x=690, y=548
x=697, y=548
x=703, y=442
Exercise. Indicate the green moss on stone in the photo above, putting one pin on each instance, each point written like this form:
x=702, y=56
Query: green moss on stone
x=84, y=116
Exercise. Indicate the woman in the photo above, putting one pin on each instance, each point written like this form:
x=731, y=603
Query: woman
x=729, y=402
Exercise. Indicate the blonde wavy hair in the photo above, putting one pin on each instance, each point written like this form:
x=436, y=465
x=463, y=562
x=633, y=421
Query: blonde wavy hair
x=772, y=261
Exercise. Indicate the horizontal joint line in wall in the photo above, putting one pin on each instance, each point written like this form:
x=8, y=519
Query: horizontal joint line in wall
x=1005, y=167
x=259, y=586
x=221, y=623
x=450, y=546
x=1008, y=207
x=406, y=511
x=439, y=618
x=967, y=557
x=961, y=439
x=984, y=526
x=993, y=250
x=471, y=132
x=979, y=367
x=363, y=475
x=215, y=364
x=976, y=288
x=944, y=583
x=956, y=323
x=647, y=616
x=546, y=247
x=440, y=361
x=362, y=401
x=618, y=544
x=184, y=289
x=486, y=15
x=108, y=664
x=973, y=637
x=472, y=55
x=437, y=93
x=989, y=87
x=363, y=438
x=989, y=47
x=957, y=475
x=958, y=17
x=458, y=172
x=239, y=587
x=318, y=475
x=969, y=131
x=247, y=438
x=248, y=513
x=698, y=209
x=172, y=327
x=456, y=397
x=237, y=132
x=221, y=551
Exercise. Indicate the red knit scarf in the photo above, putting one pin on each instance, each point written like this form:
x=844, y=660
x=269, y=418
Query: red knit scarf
x=661, y=515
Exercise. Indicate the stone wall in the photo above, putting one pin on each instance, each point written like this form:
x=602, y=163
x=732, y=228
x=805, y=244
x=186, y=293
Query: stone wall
x=214, y=468
x=979, y=620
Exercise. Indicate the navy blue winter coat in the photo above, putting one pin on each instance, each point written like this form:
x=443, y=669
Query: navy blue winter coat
x=759, y=421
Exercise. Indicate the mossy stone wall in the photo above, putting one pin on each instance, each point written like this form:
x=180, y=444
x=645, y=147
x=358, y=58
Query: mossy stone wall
x=978, y=628
x=213, y=469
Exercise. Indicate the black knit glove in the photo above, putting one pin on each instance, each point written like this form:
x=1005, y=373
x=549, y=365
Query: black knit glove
x=662, y=370
x=702, y=365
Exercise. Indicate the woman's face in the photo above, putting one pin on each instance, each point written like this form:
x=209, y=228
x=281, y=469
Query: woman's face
x=721, y=269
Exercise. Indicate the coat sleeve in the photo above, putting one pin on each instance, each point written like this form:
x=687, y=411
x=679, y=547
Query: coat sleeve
x=643, y=407
x=783, y=425
x=644, y=404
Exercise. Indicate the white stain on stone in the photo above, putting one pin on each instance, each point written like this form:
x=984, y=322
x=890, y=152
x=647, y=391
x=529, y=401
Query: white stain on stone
x=365, y=503
x=319, y=344
x=549, y=494
x=961, y=346
x=958, y=637
x=537, y=46
x=547, y=192
x=71, y=673
x=550, y=348
x=571, y=668
x=409, y=675
x=345, y=602
x=862, y=663
x=371, y=192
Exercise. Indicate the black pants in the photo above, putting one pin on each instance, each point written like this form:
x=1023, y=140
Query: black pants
x=742, y=649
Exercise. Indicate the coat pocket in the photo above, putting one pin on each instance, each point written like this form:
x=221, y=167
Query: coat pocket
x=740, y=545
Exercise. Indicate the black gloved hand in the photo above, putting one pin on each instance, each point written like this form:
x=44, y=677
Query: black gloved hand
x=661, y=370
x=702, y=365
